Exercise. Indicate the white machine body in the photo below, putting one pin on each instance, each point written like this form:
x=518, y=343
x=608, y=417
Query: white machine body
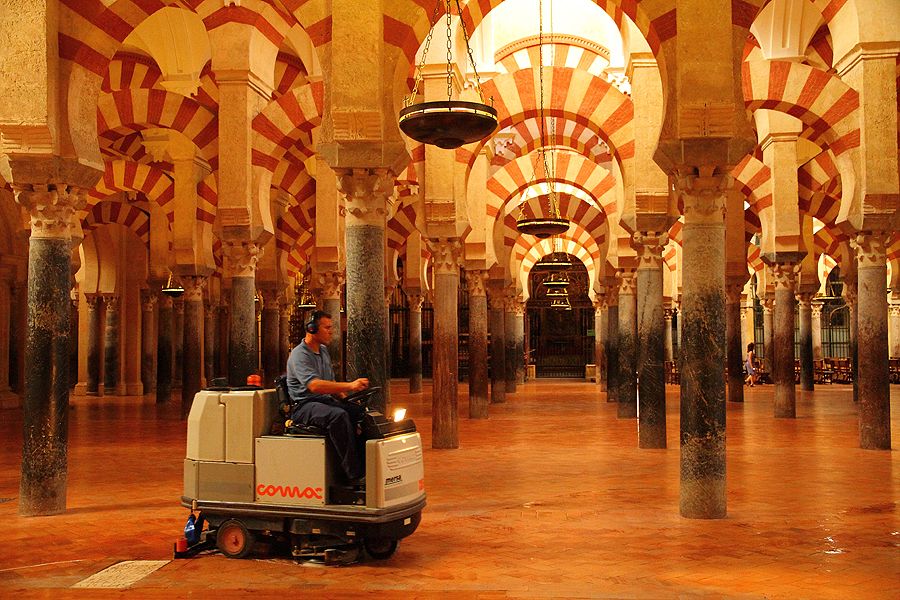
x=231, y=458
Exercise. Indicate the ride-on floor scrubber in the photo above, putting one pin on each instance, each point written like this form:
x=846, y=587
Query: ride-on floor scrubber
x=251, y=473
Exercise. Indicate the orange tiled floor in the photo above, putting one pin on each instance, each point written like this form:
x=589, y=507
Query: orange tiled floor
x=549, y=498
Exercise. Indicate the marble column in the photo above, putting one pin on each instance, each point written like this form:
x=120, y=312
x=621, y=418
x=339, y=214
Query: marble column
x=445, y=418
x=111, y=346
x=330, y=283
x=807, y=371
x=816, y=309
x=894, y=337
x=478, y=344
x=784, y=275
x=366, y=192
x=702, y=490
x=271, y=354
x=670, y=349
x=612, y=347
x=768, y=306
x=600, y=321
x=520, y=342
x=509, y=339
x=284, y=330
x=498, y=345
x=7, y=398
x=415, y=342
x=748, y=325
x=95, y=343
x=73, y=345
x=734, y=351
x=627, y=378
x=388, y=348
x=178, y=342
x=224, y=360
x=193, y=341
x=19, y=327
x=164, y=349
x=148, y=377
x=851, y=299
x=872, y=348
x=209, y=342
x=42, y=487
x=678, y=323
x=651, y=411
x=242, y=357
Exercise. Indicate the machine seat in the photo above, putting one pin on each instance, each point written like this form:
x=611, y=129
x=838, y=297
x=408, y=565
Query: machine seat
x=304, y=431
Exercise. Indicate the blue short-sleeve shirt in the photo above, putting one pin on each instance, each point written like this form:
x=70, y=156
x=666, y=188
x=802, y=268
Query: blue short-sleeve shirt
x=303, y=366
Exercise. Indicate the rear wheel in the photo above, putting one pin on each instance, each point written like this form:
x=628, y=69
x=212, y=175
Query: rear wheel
x=234, y=539
x=380, y=549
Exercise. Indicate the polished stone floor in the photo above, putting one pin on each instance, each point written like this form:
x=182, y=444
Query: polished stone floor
x=549, y=498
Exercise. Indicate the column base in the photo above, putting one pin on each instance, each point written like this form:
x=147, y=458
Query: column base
x=134, y=389
x=80, y=389
x=10, y=399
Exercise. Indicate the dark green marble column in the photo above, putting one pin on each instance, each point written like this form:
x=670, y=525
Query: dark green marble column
x=702, y=489
x=164, y=349
x=651, y=340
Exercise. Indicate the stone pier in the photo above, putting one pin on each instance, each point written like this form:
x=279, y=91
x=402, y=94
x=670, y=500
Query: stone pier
x=651, y=411
x=627, y=377
x=478, y=344
x=702, y=490
x=874, y=387
x=783, y=341
x=444, y=406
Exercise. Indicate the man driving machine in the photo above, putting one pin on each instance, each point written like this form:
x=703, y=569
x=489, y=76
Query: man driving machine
x=310, y=381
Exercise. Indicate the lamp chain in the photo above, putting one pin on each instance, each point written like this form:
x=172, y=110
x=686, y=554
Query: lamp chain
x=415, y=91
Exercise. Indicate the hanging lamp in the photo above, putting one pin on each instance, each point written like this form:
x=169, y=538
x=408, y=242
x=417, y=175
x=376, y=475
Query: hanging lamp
x=173, y=287
x=557, y=260
x=559, y=303
x=555, y=280
x=447, y=124
x=557, y=291
x=305, y=300
x=553, y=223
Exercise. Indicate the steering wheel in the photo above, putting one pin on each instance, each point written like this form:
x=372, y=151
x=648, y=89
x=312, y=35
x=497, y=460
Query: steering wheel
x=362, y=396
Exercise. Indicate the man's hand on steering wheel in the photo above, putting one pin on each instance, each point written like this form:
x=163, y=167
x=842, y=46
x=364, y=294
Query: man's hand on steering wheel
x=359, y=385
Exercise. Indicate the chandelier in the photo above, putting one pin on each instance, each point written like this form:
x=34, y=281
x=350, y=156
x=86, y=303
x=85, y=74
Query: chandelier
x=556, y=280
x=447, y=124
x=173, y=287
x=305, y=300
x=557, y=260
x=553, y=223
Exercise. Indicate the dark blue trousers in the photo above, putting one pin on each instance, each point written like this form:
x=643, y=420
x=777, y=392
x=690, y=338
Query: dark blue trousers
x=335, y=418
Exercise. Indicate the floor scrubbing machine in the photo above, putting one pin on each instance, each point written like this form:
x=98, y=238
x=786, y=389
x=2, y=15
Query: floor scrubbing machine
x=251, y=473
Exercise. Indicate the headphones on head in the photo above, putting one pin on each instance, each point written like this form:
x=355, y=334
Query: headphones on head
x=312, y=323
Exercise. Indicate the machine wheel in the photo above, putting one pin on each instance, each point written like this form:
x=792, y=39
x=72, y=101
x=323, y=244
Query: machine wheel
x=380, y=549
x=234, y=539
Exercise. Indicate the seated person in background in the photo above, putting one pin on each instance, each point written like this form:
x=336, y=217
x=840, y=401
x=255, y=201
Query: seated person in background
x=310, y=381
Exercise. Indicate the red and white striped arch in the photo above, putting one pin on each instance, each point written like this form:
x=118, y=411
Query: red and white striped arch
x=137, y=109
x=576, y=242
x=586, y=101
x=566, y=51
x=124, y=176
x=754, y=180
x=400, y=226
x=126, y=215
x=819, y=187
x=526, y=138
x=284, y=122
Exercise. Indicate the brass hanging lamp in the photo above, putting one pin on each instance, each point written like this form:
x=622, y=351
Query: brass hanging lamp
x=557, y=260
x=553, y=223
x=447, y=124
x=173, y=287
x=305, y=300
x=556, y=280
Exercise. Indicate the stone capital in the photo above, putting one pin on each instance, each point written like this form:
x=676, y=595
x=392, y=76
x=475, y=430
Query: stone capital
x=496, y=298
x=804, y=300
x=330, y=283
x=366, y=193
x=415, y=301
x=627, y=283
x=703, y=193
x=111, y=301
x=817, y=306
x=784, y=275
x=148, y=302
x=649, y=246
x=510, y=303
x=520, y=308
x=242, y=258
x=871, y=249
x=768, y=305
x=477, y=280
x=193, y=288
x=849, y=293
x=166, y=301
x=52, y=209
x=894, y=310
x=733, y=293
x=178, y=305
x=93, y=301
x=445, y=255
